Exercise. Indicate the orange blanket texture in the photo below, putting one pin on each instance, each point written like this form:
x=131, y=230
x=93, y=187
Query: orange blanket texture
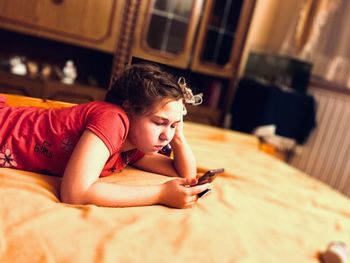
x=261, y=210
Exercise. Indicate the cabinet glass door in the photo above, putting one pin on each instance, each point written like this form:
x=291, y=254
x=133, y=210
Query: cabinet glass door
x=166, y=30
x=221, y=36
x=220, y=32
x=169, y=21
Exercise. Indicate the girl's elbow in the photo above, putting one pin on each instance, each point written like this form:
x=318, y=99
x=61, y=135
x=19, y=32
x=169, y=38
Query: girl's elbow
x=71, y=198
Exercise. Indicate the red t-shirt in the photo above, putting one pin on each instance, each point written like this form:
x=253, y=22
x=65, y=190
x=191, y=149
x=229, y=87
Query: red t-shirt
x=42, y=140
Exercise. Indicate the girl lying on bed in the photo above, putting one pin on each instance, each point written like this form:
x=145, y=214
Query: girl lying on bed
x=143, y=112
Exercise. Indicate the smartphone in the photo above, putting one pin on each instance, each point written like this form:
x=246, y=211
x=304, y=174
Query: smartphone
x=208, y=177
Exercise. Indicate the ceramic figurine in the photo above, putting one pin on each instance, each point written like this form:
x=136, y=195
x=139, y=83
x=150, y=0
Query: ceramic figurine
x=33, y=68
x=17, y=66
x=69, y=72
x=46, y=71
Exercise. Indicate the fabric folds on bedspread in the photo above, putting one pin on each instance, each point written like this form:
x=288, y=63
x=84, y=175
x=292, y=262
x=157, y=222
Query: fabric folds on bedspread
x=245, y=219
x=261, y=210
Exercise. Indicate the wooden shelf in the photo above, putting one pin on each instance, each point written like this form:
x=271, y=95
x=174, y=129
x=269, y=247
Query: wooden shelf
x=49, y=89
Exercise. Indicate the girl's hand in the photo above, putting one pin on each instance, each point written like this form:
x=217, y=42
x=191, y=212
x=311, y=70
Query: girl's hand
x=179, y=134
x=181, y=192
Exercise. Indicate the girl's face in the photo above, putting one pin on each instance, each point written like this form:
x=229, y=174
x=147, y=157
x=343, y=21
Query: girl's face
x=151, y=132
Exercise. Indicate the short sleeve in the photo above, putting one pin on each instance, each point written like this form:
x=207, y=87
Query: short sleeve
x=110, y=123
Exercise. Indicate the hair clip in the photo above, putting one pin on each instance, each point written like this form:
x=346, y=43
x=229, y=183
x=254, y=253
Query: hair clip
x=189, y=97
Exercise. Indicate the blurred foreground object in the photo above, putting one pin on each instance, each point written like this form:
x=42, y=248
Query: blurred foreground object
x=336, y=252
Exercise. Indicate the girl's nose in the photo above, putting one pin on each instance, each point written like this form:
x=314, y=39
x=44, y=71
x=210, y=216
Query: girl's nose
x=165, y=135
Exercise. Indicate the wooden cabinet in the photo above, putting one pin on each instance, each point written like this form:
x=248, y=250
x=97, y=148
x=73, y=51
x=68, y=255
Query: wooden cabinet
x=90, y=23
x=166, y=32
x=47, y=33
x=201, y=37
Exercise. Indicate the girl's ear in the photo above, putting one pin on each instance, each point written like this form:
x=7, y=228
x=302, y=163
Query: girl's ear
x=184, y=110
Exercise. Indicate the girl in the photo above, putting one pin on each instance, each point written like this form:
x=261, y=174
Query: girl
x=143, y=112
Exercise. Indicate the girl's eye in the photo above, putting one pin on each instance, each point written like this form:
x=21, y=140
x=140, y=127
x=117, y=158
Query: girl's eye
x=158, y=123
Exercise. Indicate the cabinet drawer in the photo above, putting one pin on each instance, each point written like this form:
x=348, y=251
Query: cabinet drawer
x=76, y=93
x=91, y=23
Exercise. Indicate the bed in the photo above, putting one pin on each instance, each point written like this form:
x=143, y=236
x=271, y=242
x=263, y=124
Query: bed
x=260, y=210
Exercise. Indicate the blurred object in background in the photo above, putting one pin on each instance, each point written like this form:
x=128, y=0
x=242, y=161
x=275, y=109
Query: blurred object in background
x=278, y=146
x=46, y=71
x=17, y=66
x=258, y=103
x=69, y=72
x=33, y=69
x=280, y=70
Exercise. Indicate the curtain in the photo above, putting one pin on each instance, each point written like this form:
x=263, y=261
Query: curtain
x=320, y=34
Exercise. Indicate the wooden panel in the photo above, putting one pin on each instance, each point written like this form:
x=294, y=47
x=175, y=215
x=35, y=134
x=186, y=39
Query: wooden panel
x=76, y=93
x=13, y=84
x=91, y=23
x=48, y=89
x=203, y=115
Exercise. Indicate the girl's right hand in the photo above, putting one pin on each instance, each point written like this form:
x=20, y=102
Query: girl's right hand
x=181, y=192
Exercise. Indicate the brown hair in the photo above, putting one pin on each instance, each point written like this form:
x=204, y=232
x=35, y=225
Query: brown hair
x=142, y=86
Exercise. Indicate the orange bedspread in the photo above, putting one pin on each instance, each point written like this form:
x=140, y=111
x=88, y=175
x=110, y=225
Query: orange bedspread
x=261, y=210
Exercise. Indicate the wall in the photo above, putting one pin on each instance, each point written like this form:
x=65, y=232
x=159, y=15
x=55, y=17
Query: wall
x=271, y=23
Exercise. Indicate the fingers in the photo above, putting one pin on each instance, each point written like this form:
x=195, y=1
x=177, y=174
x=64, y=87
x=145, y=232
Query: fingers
x=195, y=198
x=188, y=191
x=188, y=182
x=193, y=181
x=190, y=204
x=191, y=201
x=195, y=190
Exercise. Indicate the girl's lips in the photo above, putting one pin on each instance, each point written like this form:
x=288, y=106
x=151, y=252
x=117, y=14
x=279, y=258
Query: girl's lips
x=158, y=147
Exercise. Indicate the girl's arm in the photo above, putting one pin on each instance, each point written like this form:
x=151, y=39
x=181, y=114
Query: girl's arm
x=183, y=164
x=184, y=160
x=80, y=183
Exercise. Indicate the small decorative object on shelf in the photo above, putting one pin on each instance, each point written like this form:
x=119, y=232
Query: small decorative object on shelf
x=17, y=66
x=33, y=69
x=337, y=252
x=46, y=71
x=69, y=72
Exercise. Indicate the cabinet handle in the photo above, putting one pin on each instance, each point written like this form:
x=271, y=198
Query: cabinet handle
x=57, y=2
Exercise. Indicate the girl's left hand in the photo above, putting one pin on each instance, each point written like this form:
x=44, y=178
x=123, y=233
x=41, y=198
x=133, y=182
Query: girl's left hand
x=179, y=134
